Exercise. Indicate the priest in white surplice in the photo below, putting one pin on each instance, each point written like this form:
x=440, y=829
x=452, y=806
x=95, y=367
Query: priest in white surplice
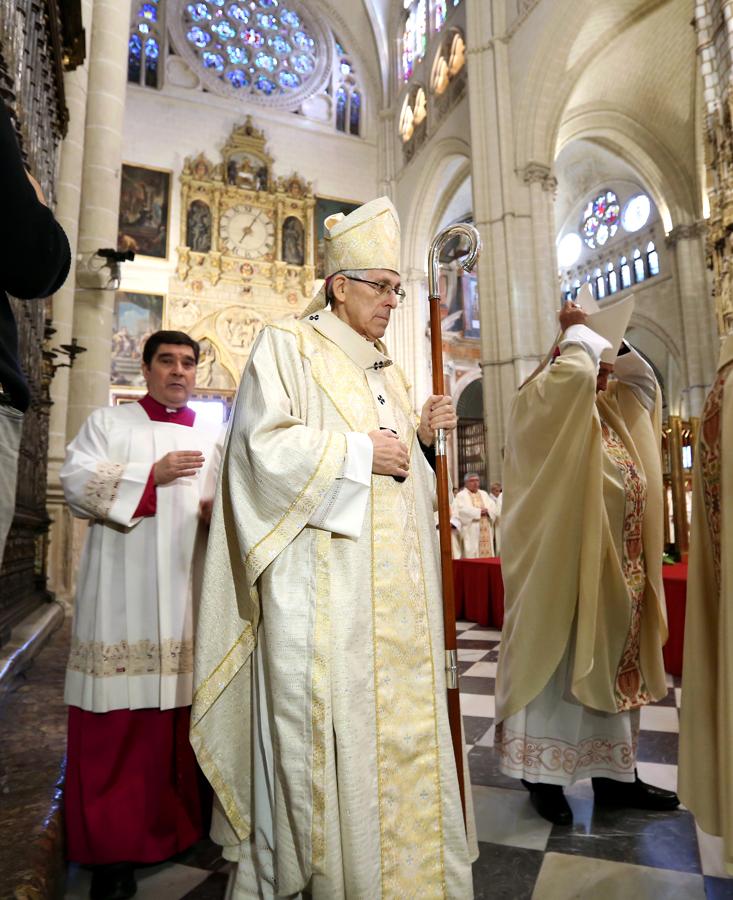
x=144, y=475
x=476, y=511
x=319, y=711
x=585, y=620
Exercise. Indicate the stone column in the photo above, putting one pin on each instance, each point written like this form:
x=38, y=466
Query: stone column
x=513, y=211
x=67, y=212
x=89, y=380
x=687, y=243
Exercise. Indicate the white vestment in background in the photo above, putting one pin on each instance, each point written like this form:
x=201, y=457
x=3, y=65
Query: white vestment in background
x=470, y=516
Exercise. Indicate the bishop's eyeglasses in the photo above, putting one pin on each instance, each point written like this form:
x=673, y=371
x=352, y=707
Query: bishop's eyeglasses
x=381, y=287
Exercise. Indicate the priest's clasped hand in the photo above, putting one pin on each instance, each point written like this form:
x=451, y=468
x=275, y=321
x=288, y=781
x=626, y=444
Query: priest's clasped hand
x=177, y=464
x=438, y=412
x=389, y=456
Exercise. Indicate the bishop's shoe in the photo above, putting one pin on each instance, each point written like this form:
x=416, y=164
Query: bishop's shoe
x=113, y=882
x=549, y=801
x=633, y=795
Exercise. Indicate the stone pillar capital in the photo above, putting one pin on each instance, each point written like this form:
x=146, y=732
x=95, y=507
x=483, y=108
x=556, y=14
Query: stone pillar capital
x=686, y=232
x=539, y=173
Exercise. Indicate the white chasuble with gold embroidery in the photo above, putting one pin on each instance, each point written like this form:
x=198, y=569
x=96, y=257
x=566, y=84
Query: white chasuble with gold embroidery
x=132, y=641
x=319, y=709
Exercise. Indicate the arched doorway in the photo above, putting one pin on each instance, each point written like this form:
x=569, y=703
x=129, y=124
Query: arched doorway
x=470, y=432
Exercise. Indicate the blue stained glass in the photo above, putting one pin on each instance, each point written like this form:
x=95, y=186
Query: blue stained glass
x=303, y=64
x=345, y=67
x=151, y=48
x=213, y=60
x=265, y=85
x=143, y=28
x=354, y=110
x=304, y=41
x=135, y=45
x=237, y=78
x=339, y=49
x=280, y=45
x=148, y=11
x=198, y=11
x=267, y=22
x=268, y=4
x=288, y=17
x=218, y=2
x=237, y=55
x=289, y=80
x=252, y=37
x=341, y=109
x=198, y=36
x=224, y=30
x=235, y=11
x=264, y=61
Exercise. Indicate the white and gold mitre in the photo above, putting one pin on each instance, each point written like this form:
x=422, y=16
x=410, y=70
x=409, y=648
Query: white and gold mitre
x=368, y=238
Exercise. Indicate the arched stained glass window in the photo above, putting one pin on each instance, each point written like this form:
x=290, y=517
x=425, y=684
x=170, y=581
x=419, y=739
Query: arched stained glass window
x=145, y=44
x=414, y=38
x=600, y=219
x=652, y=259
x=341, y=99
x=639, y=273
x=440, y=11
x=611, y=278
x=600, y=283
x=625, y=273
x=270, y=51
x=354, y=112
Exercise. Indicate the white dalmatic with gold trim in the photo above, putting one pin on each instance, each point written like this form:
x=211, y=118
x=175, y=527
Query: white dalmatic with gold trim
x=319, y=710
x=132, y=641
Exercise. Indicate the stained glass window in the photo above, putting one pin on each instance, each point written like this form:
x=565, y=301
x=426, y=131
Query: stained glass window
x=600, y=219
x=636, y=213
x=611, y=278
x=652, y=259
x=346, y=89
x=625, y=273
x=421, y=29
x=258, y=47
x=144, y=44
x=408, y=47
x=440, y=11
x=600, y=284
x=341, y=98
x=639, y=273
x=354, y=112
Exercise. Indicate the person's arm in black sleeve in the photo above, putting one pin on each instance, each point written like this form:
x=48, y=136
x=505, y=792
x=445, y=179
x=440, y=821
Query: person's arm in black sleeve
x=34, y=252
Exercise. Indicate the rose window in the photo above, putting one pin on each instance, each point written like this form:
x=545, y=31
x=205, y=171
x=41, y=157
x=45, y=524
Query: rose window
x=600, y=219
x=270, y=51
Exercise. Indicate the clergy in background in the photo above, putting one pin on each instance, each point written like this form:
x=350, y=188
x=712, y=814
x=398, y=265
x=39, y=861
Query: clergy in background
x=585, y=622
x=320, y=713
x=475, y=509
x=144, y=474
x=706, y=717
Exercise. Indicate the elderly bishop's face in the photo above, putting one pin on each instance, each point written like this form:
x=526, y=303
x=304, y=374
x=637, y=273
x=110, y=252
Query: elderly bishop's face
x=366, y=305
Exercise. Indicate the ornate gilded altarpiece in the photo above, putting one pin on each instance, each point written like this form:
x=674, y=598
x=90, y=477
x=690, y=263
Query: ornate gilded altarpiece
x=246, y=254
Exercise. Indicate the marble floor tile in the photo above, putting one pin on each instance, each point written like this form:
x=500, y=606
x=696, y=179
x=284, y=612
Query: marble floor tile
x=484, y=765
x=213, y=888
x=711, y=855
x=669, y=700
x=467, y=641
x=574, y=878
x=483, y=634
x=463, y=626
x=658, y=747
x=660, y=718
x=488, y=738
x=472, y=685
x=507, y=817
x=477, y=705
x=505, y=873
x=482, y=670
x=471, y=655
x=475, y=727
x=203, y=855
x=167, y=880
x=718, y=888
x=678, y=696
x=659, y=840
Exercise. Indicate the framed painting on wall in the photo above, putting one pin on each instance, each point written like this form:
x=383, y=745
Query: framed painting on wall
x=325, y=207
x=136, y=317
x=143, y=223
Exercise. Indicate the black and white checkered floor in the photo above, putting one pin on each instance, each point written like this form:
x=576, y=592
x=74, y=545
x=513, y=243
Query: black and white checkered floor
x=605, y=855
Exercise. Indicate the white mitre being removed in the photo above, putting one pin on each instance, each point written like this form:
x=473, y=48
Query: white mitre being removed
x=368, y=238
x=609, y=321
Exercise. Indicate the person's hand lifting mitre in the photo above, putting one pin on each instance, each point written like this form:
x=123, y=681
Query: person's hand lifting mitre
x=572, y=314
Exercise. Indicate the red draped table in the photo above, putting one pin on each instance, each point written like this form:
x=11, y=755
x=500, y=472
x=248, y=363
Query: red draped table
x=479, y=593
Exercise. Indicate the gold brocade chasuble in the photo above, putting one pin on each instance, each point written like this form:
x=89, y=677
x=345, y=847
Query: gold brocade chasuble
x=562, y=541
x=706, y=717
x=366, y=800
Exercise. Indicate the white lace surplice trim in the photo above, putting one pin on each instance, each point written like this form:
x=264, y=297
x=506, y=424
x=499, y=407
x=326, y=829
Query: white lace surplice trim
x=102, y=660
x=101, y=489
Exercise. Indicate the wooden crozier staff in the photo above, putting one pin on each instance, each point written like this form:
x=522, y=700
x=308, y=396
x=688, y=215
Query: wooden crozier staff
x=441, y=471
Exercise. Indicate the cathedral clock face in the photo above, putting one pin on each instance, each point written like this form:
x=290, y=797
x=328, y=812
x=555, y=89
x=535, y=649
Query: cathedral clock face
x=247, y=231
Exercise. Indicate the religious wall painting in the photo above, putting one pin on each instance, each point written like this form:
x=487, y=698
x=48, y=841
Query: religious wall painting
x=143, y=223
x=198, y=227
x=325, y=207
x=211, y=373
x=247, y=171
x=238, y=327
x=471, y=316
x=136, y=316
x=293, y=241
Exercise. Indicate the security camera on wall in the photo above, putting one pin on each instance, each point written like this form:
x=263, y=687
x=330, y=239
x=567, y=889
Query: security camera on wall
x=100, y=271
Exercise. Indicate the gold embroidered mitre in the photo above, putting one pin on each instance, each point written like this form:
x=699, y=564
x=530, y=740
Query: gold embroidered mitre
x=368, y=238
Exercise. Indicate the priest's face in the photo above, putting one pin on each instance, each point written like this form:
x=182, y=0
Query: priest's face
x=171, y=375
x=472, y=484
x=604, y=370
x=366, y=307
